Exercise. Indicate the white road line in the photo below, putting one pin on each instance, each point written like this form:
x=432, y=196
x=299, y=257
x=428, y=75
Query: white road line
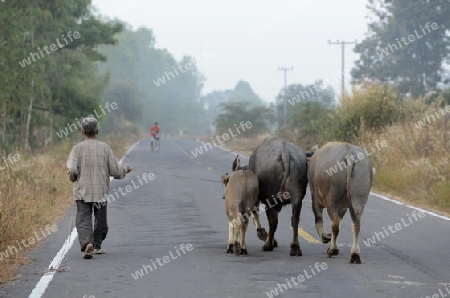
x=45, y=280
x=128, y=151
x=410, y=206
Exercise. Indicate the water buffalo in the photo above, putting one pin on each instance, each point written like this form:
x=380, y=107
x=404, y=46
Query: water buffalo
x=282, y=174
x=340, y=177
x=241, y=197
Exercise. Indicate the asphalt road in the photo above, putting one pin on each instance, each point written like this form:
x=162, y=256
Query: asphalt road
x=183, y=218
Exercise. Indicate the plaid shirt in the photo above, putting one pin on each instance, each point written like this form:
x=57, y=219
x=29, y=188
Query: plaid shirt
x=90, y=165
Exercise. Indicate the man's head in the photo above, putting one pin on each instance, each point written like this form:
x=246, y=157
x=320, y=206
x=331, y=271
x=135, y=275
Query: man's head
x=156, y=123
x=89, y=126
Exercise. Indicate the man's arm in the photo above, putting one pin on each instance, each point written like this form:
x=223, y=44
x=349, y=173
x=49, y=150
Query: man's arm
x=115, y=170
x=72, y=166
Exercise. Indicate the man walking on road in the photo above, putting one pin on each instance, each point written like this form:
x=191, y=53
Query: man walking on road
x=90, y=165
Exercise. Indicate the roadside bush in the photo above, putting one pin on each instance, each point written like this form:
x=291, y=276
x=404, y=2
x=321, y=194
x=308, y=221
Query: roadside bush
x=414, y=166
x=371, y=108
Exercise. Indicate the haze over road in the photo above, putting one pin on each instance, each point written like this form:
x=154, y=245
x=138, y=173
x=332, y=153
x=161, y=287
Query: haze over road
x=184, y=219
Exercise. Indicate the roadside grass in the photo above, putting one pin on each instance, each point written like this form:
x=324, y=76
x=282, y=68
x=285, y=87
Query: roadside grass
x=414, y=167
x=36, y=192
x=244, y=146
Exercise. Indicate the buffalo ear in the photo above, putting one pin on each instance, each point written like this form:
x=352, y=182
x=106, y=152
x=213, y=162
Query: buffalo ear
x=225, y=179
x=236, y=164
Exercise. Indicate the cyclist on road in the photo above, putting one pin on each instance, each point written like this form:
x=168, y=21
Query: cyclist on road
x=154, y=134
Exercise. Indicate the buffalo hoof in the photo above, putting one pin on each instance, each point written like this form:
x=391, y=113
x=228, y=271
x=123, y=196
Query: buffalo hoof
x=267, y=247
x=262, y=234
x=230, y=248
x=237, y=249
x=295, y=250
x=275, y=243
x=243, y=251
x=332, y=252
x=355, y=258
x=326, y=238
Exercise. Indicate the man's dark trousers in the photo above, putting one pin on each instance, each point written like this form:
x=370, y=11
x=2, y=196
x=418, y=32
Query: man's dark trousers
x=87, y=234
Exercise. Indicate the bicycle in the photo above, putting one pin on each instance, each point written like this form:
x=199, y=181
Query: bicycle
x=154, y=144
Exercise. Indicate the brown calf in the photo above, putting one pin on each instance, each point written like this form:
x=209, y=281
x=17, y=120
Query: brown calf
x=241, y=197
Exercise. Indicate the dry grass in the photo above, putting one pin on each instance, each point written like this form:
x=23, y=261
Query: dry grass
x=36, y=192
x=244, y=146
x=414, y=167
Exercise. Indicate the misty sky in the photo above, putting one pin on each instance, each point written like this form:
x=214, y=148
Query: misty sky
x=292, y=33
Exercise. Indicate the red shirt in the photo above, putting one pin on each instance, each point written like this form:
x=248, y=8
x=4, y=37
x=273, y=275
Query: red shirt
x=154, y=130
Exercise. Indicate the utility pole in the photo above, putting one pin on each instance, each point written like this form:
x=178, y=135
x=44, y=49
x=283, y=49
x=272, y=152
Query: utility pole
x=285, y=69
x=343, y=43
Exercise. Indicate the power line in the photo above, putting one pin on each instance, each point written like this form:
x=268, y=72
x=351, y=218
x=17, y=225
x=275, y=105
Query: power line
x=343, y=43
x=285, y=69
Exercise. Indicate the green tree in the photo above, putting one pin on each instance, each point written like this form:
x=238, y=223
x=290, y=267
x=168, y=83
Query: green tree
x=371, y=108
x=41, y=89
x=305, y=120
x=298, y=93
x=243, y=92
x=211, y=102
x=406, y=45
x=231, y=114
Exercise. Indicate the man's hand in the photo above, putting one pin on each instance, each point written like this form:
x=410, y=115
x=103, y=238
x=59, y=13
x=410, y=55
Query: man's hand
x=72, y=176
x=128, y=169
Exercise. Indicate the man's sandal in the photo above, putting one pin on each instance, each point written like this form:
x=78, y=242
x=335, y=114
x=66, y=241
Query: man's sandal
x=88, y=251
x=99, y=251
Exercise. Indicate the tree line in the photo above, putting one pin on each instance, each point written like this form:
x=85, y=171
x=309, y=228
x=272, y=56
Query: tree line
x=59, y=63
x=407, y=46
x=48, y=77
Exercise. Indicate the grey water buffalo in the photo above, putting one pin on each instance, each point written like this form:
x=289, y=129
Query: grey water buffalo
x=340, y=178
x=282, y=174
x=241, y=197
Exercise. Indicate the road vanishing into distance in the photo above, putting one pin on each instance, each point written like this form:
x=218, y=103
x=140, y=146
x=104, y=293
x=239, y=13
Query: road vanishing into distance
x=167, y=238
